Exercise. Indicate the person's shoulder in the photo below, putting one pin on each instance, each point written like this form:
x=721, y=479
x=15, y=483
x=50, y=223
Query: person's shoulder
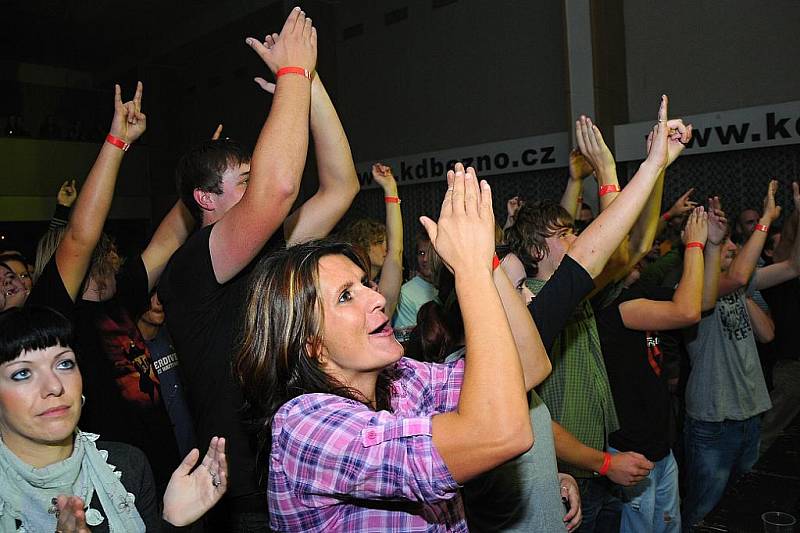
x=314, y=405
x=129, y=461
x=121, y=450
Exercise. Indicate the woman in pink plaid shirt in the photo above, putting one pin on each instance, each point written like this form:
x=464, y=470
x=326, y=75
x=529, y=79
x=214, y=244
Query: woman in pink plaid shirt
x=360, y=438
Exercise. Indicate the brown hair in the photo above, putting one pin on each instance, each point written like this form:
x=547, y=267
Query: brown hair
x=535, y=223
x=363, y=233
x=283, y=327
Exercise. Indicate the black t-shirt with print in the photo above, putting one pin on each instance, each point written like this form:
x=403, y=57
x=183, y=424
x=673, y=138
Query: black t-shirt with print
x=634, y=362
x=123, y=397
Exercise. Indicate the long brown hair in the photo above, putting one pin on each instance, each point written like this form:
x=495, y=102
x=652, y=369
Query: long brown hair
x=283, y=333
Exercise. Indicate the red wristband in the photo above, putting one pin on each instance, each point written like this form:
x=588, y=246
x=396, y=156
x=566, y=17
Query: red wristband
x=293, y=70
x=762, y=227
x=495, y=262
x=119, y=143
x=391, y=199
x=695, y=244
x=605, y=189
x=666, y=216
x=606, y=464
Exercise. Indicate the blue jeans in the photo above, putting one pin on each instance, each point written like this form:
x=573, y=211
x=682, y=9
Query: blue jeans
x=600, y=505
x=715, y=453
x=653, y=504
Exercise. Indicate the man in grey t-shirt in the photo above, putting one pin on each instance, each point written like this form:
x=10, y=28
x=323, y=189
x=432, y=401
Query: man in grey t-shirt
x=726, y=392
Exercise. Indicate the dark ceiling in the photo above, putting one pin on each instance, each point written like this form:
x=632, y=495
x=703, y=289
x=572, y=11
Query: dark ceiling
x=99, y=35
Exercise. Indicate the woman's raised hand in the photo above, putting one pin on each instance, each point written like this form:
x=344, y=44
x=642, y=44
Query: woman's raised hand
x=464, y=233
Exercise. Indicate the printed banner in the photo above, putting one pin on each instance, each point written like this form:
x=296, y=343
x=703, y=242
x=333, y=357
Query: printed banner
x=489, y=159
x=737, y=129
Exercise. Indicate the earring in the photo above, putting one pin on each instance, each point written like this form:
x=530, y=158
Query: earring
x=83, y=400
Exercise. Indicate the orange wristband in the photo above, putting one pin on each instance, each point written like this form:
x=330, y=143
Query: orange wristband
x=695, y=244
x=606, y=189
x=391, y=199
x=293, y=70
x=762, y=227
x=606, y=464
x=119, y=143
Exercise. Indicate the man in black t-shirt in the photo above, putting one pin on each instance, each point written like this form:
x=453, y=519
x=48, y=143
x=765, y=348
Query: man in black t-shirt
x=241, y=205
x=629, y=335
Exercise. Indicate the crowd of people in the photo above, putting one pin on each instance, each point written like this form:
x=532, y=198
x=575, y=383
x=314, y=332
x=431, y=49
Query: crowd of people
x=566, y=372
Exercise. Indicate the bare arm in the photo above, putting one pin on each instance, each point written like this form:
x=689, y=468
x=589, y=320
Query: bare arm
x=338, y=182
x=763, y=326
x=745, y=262
x=491, y=423
x=169, y=236
x=512, y=206
x=684, y=308
x=579, y=170
x=91, y=208
x=777, y=273
x=600, y=239
x=717, y=231
x=279, y=156
x=392, y=271
x=533, y=357
x=626, y=468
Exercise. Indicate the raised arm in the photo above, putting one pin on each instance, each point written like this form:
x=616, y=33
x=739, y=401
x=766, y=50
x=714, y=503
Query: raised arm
x=646, y=228
x=717, y=232
x=91, y=208
x=596, y=152
x=392, y=270
x=781, y=271
x=338, y=182
x=491, y=423
x=512, y=207
x=683, y=310
x=579, y=170
x=278, y=158
x=169, y=236
x=742, y=267
x=597, y=242
x=533, y=357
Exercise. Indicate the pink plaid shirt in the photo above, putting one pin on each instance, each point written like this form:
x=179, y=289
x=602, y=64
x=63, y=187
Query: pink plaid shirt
x=337, y=465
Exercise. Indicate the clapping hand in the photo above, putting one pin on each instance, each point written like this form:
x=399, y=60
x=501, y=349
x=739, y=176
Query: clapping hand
x=592, y=145
x=296, y=46
x=772, y=211
x=464, y=234
x=579, y=167
x=717, y=222
x=129, y=123
x=696, y=227
x=190, y=494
